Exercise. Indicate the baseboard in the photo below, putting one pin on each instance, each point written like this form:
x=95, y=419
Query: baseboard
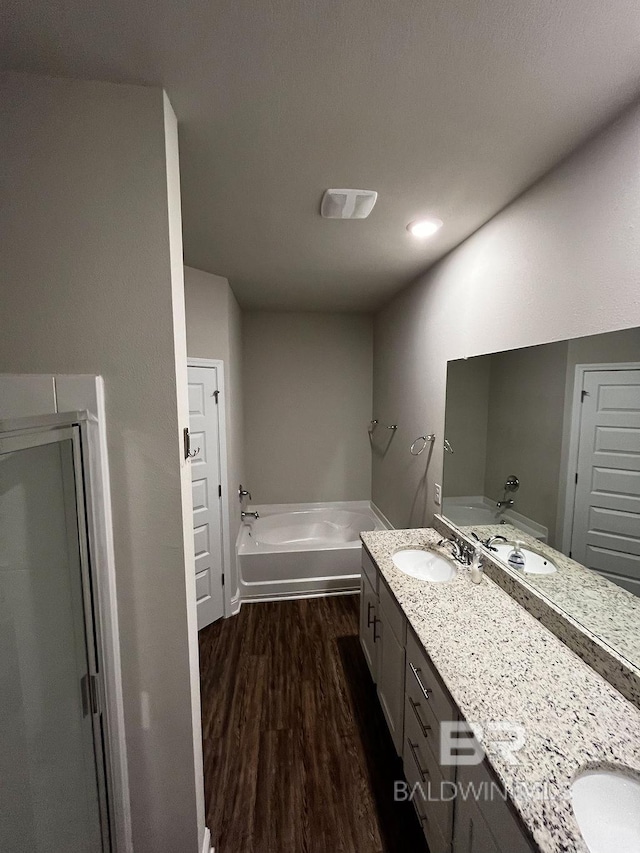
x=206, y=841
x=294, y=596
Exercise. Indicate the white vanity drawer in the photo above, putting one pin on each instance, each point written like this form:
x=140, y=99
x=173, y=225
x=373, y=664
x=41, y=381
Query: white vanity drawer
x=425, y=724
x=370, y=570
x=393, y=615
x=420, y=767
x=424, y=686
x=502, y=824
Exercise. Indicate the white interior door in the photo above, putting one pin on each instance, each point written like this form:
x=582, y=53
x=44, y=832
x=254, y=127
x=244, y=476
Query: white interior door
x=207, y=498
x=606, y=525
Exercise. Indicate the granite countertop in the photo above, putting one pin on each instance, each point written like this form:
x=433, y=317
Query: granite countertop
x=606, y=609
x=499, y=663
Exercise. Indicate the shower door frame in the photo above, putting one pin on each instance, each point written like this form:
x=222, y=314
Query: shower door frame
x=22, y=434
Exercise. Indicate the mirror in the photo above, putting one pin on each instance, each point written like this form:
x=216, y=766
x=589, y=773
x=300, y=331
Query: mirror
x=546, y=457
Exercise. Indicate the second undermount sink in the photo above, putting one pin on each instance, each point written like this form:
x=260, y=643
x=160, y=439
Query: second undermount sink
x=535, y=563
x=424, y=565
x=606, y=806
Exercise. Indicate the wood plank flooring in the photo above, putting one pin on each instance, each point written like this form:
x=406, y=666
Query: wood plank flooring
x=297, y=755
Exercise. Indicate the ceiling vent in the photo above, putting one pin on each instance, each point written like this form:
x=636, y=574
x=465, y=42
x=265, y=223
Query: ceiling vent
x=347, y=204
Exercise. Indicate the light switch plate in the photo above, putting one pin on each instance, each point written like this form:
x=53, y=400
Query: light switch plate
x=438, y=494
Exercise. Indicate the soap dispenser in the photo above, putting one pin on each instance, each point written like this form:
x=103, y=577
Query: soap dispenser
x=516, y=558
x=476, y=567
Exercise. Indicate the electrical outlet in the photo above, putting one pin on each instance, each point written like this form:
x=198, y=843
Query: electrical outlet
x=438, y=494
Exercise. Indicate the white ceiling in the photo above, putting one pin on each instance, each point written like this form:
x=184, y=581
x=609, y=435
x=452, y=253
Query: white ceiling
x=450, y=108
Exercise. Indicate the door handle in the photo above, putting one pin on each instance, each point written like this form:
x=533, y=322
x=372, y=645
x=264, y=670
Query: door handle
x=416, y=674
x=423, y=727
x=413, y=747
x=375, y=625
x=370, y=607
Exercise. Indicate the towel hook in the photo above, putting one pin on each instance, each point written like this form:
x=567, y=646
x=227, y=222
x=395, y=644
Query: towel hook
x=186, y=438
x=425, y=439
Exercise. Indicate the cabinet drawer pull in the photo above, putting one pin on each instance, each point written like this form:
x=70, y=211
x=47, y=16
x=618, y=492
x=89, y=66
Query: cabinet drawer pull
x=375, y=625
x=370, y=607
x=424, y=728
x=413, y=747
x=416, y=674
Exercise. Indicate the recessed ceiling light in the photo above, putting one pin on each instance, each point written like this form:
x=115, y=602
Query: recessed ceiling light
x=423, y=228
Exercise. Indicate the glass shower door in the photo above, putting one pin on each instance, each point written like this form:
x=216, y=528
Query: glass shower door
x=52, y=774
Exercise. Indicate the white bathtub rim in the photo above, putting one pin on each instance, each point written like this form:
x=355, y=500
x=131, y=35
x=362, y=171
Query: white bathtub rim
x=322, y=576
x=277, y=509
x=381, y=516
x=538, y=531
x=245, y=545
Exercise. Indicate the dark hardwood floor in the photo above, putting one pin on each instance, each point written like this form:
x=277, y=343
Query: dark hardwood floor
x=297, y=755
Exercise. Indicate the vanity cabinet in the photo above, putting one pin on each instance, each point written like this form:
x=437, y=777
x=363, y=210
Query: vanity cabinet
x=390, y=640
x=426, y=707
x=415, y=704
x=485, y=825
x=368, y=624
x=382, y=636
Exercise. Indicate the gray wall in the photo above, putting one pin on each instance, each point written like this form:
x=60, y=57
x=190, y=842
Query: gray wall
x=87, y=287
x=214, y=330
x=524, y=435
x=466, y=426
x=307, y=392
x=559, y=262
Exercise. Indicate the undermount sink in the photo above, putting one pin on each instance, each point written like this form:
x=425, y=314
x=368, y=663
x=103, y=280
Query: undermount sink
x=424, y=565
x=606, y=805
x=535, y=564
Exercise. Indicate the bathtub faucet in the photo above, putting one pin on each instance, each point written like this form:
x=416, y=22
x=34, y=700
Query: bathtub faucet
x=512, y=484
x=244, y=515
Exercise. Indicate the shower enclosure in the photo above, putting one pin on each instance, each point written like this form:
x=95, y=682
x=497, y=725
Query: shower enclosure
x=53, y=741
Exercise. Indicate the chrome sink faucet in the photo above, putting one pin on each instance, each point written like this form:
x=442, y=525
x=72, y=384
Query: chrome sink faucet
x=488, y=543
x=460, y=551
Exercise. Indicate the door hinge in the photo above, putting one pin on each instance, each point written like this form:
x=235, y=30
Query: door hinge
x=216, y=394
x=223, y=580
x=576, y=476
x=219, y=491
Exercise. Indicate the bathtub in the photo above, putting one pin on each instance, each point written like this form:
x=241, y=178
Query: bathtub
x=480, y=510
x=300, y=550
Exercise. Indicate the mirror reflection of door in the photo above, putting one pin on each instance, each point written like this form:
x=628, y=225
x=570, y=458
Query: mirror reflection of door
x=606, y=518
